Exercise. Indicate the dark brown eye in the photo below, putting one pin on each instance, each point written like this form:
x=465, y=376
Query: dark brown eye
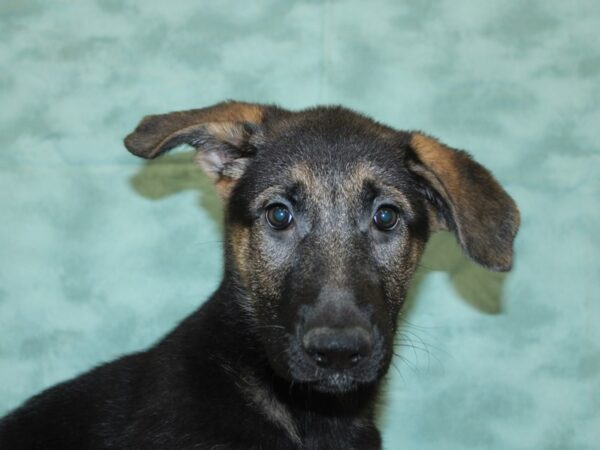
x=386, y=218
x=279, y=216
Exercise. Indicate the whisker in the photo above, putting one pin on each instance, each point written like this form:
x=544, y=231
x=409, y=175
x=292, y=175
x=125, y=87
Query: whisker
x=430, y=269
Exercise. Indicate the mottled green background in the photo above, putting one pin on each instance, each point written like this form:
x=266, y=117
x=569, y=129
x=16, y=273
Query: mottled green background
x=102, y=254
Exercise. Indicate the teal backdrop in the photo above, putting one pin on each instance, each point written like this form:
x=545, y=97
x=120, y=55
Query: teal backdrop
x=101, y=254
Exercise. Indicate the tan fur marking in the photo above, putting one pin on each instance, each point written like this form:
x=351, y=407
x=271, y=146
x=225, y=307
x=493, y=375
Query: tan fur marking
x=223, y=112
x=270, y=406
x=432, y=152
x=155, y=132
x=355, y=179
x=224, y=187
x=230, y=132
x=439, y=159
x=258, y=394
x=240, y=245
x=237, y=112
x=485, y=216
x=304, y=174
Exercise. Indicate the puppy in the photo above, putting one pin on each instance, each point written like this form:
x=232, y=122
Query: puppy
x=326, y=216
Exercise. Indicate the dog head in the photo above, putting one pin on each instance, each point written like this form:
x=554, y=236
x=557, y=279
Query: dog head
x=327, y=215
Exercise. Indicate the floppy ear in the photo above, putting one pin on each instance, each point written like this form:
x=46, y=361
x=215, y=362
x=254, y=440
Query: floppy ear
x=467, y=200
x=221, y=134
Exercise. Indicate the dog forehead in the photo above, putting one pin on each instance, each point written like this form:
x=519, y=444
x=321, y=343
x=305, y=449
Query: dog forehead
x=326, y=152
x=324, y=183
x=309, y=182
x=332, y=135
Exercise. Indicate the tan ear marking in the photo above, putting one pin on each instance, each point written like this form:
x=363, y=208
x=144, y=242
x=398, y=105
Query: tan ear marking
x=438, y=158
x=485, y=216
x=221, y=134
x=240, y=242
x=159, y=133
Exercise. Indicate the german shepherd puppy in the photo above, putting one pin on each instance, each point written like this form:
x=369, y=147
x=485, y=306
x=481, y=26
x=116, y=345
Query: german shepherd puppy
x=327, y=214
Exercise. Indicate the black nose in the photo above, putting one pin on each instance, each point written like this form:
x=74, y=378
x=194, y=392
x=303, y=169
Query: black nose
x=337, y=348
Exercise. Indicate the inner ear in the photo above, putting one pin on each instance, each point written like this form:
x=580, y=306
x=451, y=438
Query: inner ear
x=438, y=210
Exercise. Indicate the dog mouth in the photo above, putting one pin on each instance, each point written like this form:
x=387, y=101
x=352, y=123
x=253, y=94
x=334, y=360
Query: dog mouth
x=337, y=383
x=297, y=366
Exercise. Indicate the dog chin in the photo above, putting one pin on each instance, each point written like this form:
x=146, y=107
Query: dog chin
x=337, y=383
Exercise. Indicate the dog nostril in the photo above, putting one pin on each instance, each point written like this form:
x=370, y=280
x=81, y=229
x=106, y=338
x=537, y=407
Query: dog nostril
x=338, y=349
x=355, y=359
x=320, y=359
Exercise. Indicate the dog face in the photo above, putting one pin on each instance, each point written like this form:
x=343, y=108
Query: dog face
x=327, y=216
x=327, y=226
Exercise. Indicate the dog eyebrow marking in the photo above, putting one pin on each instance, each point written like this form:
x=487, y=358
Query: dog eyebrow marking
x=301, y=173
x=355, y=182
x=262, y=198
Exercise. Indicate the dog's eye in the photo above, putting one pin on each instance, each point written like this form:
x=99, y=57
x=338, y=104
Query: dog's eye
x=279, y=216
x=386, y=218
